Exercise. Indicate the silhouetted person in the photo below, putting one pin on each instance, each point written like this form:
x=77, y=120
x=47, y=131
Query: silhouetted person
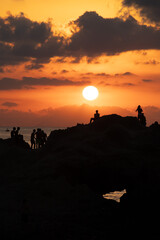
x=17, y=132
x=96, y=116
x=143, y=119
x=13, y=133
x=38, y=138
x=139, y=110
x=33, y=139
x=44, y=137
x=18, y=136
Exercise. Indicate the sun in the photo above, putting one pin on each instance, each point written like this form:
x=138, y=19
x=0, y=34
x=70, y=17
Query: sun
x=90, y=93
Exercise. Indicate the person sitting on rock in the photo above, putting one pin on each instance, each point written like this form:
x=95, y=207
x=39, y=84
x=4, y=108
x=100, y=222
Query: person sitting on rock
x=13, y=133
x=96, y=116
x=18, y=136
x=140, y=111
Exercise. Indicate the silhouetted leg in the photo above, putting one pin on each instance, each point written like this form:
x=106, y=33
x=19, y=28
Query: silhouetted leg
x=92, y=119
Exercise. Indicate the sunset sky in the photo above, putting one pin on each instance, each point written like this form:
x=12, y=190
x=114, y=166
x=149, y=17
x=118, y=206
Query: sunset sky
x=50, y=50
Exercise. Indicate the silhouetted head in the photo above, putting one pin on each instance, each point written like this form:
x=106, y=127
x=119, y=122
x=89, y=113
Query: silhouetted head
x=96, y=111
x=34, y=130
x=18, y=128
x=14, y=128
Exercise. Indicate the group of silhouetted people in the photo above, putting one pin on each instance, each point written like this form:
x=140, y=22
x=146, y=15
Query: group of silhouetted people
x=15, y=135
x=38, y=138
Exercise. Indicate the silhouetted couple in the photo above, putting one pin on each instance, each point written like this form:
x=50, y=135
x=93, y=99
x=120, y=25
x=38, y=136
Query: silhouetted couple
x=15, y=136
x=141, y=116
x=38, y=139
x=96, y=116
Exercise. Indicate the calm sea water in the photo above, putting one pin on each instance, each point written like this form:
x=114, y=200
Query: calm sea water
x=25, y=131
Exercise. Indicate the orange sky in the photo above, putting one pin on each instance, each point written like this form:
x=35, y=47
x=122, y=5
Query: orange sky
x=60, y=11
x=124, y=78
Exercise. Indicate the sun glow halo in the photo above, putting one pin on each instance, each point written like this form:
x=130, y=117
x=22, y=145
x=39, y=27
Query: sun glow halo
x=90, y=93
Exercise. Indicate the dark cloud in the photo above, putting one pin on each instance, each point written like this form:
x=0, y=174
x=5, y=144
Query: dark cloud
x=128, y=74
x=124, y=74
x=10, y=83
x=23, y=40
x=106, y=75
x=152, y=62
x=148, y=9
x=64, y=71
x=19, y=28
x=147, y=80
x=99, y=36
x=10, y=104
x=29, y=83
x=127, y=84
x=91, y=74
x=34, y=66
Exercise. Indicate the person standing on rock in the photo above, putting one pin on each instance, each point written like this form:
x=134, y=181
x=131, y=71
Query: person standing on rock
x=140, y=111
x=141, y=117
x=33, y=139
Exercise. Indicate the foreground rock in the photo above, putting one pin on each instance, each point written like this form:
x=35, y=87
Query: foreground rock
x=63, y=183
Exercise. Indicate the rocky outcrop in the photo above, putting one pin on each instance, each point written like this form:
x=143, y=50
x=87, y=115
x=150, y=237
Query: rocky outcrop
x=63, y=182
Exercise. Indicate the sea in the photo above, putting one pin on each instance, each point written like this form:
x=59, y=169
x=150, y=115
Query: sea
x=5, y=132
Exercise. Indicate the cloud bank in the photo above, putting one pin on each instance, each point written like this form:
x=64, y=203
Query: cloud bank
x=23, y=40
x=100, y=35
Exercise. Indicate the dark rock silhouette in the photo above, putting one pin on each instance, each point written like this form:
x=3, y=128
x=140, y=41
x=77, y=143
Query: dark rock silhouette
x=63, y=182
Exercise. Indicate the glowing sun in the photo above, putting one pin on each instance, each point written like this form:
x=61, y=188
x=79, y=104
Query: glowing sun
x=90, y=93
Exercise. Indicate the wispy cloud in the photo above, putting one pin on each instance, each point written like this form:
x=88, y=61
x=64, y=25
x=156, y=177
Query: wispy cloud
x=29, y=82
x=147, y=80
x=149, y=62
x=9, y=104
